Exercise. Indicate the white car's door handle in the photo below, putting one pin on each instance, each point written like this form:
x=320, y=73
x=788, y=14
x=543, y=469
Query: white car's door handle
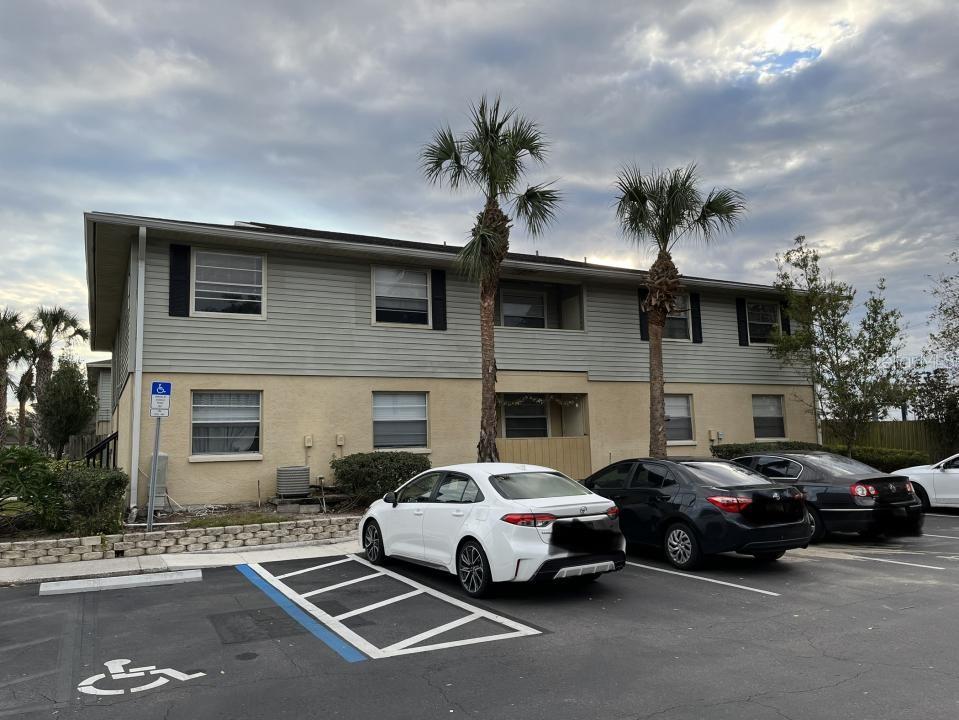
x=417, y=512
x=458, y=513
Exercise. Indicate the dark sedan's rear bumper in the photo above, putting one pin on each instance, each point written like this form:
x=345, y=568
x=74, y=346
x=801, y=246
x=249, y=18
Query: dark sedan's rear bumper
x=874, y=518
x=734, y=535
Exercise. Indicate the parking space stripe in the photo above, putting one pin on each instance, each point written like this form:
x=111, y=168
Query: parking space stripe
x=704, y=579
x=278, y=593
x=377, y=605
x=311, y=569
x=897, y=562
x=458, y=643
x=944, y=537
x=430, y=633
x=311, y=593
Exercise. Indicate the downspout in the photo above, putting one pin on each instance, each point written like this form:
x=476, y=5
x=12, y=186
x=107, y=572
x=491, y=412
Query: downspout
x=137, y=372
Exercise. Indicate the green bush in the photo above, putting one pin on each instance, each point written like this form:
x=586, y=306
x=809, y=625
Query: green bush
x=884, y=459
x=92, y=498
x=28, y=475
x=369, y=476
x=735, y=450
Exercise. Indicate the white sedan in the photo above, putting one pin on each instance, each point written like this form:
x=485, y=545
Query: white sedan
x=496, y=522
x=935, y=484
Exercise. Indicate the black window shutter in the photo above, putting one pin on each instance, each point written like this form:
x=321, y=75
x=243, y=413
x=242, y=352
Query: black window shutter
x=784, y=315
x=180, y=280
x=643, y=315
x=438, y=287
x=696, y=316
x=741, y=321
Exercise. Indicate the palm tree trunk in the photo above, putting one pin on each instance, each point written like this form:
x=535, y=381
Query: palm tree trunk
x=486, y=450
x=22, y=423
x=44, y=371
x=3, y=405
x=657, y=381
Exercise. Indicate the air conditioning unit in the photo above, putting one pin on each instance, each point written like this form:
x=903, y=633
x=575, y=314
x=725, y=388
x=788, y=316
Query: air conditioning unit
x=293, y=481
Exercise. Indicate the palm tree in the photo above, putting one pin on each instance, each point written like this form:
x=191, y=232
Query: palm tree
x=13, y=341
x=52, y=325
x=661, y=209
x=491, y=157
x=25, y=389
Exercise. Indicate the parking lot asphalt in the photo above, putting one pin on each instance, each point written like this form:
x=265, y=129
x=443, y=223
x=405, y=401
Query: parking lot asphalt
x=851, y=628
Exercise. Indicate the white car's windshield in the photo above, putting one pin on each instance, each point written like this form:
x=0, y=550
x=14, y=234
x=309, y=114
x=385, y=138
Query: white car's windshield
x=529, y=485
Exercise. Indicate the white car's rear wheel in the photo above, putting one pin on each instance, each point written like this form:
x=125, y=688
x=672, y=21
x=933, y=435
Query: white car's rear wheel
x=472, y=569
x=373, y=543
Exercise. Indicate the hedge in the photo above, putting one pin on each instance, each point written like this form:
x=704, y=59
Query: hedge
x=369, y=476
x=885, y=459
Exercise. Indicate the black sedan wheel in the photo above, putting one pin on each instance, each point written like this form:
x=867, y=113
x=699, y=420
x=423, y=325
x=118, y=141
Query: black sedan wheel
x=816, y=524
x=472, y=568
x=373, y=543
x=682, y=547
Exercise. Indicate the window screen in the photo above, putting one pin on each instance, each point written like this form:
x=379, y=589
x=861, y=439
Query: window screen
x=399, y=420
x=227, y=283
x=225, y=422
x=679, y=423
x=768, y=421
x=402, y=296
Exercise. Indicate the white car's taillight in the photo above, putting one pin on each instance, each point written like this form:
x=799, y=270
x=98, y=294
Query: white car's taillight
x=529, y=519
x=613, y=512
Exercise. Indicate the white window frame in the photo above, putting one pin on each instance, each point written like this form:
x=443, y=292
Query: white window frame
x=779, y=319
x=429, y=298
x=234, y=316
x=528, y=293
x=546, y=413
x=692, y=421
x=782, y=406
x=225, y=457
x=689, y=324
x=419, y=450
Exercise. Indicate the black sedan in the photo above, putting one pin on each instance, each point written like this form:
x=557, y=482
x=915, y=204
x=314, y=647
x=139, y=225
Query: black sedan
x=842, y=494
x=694, y=507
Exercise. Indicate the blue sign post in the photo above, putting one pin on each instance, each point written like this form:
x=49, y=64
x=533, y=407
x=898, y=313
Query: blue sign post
x=160, y=393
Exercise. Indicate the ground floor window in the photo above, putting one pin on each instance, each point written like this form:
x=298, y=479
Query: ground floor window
x=679, y=418
x=525, y=416
x=768, y=419
x=532, y=415
x=399, y=420
x=225, y=422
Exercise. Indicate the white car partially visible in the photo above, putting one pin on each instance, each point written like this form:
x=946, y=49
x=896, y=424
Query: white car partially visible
x=496, y=522
x=936, y=484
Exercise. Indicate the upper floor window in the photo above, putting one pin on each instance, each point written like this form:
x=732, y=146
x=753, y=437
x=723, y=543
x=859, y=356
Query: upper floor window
x=768, y=419
x=678, y=321
x=539, y=305
x=763, y=320
x=401, y=296
x=228, y=283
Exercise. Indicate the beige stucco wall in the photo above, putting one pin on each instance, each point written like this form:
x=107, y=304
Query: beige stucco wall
x=295, y=406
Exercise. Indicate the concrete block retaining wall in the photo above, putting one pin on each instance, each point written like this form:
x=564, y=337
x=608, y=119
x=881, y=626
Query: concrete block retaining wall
x=321, y=530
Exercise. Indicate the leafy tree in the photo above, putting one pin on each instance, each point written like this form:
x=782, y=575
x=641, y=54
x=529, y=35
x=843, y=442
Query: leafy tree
x=53, y=324
x=66, y=406
x=491, y=157
x=660, y=210
x=936, y=400
x=856, y=372
x=13, y=343
x=944, y=342
x=25, y=393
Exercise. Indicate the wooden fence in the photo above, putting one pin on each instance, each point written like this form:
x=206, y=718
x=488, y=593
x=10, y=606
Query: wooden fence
x=902, y=434
x=569, y=455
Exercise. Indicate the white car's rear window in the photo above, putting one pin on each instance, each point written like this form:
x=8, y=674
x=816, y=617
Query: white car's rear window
x=530, y=485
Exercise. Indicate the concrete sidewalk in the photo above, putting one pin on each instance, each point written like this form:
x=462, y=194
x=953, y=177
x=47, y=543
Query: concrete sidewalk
x=166, y=563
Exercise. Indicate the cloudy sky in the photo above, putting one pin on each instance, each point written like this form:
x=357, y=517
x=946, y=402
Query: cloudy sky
x=837, y=120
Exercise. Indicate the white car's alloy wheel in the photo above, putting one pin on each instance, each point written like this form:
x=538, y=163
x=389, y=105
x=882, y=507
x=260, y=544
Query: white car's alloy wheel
x=471, y=568
x=373, y=543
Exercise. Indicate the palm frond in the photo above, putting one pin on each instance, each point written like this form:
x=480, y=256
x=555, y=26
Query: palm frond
x=537, y=207
x=478, y=258
x=720, y=212
x=634, y=208
x=443, y=158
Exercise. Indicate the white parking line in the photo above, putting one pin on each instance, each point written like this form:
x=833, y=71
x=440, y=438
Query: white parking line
x=311, y=593
x=897, y=562
x=954, y=517
x=512, y=628
x=704, y=579
x=311, y=569
x=945, y=537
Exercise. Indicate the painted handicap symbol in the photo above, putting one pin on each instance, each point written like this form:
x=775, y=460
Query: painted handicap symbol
x=117, y=671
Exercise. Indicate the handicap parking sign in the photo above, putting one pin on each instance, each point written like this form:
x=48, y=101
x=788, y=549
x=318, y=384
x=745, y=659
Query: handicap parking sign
x=161, y=388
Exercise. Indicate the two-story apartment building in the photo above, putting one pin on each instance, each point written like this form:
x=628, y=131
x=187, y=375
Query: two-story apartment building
x=288, y=346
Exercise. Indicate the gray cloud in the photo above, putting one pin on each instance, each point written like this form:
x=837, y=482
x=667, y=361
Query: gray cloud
x=836, y=120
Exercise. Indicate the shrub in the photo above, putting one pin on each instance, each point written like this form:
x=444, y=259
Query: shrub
x=371, y=475
x=28, y=475
x=884, y=459
x=92, y=498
